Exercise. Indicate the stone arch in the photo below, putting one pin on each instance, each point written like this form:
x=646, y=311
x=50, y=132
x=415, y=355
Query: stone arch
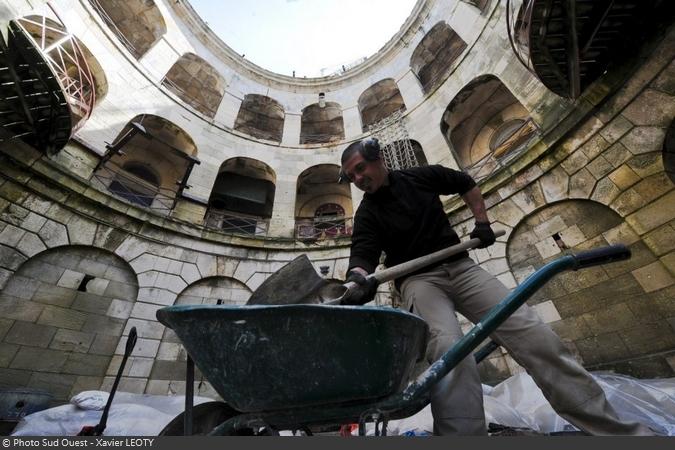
x=168, y=370
x=435, y=55
x=211, y=290
x=197, y=83
x=63, y=313
x=242, y=197
x=613, y=316
x=485, y=126
x=322, y=124
x=153, y=146
x=669, y=152
x=380, y=100
x=261, y=117
x=318, y=186
x=137, y=23
x=80, y=74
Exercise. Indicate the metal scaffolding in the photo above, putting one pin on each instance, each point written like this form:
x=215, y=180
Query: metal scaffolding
x=396, y=147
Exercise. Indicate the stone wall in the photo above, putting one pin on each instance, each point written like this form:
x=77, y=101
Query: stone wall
x=604, y=182
x=595, y=176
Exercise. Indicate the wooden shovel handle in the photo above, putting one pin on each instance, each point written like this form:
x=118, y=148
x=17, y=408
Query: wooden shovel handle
x=423, y=261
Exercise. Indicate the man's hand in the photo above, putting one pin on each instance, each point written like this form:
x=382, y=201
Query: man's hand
x=484, y=232
x=363, y=292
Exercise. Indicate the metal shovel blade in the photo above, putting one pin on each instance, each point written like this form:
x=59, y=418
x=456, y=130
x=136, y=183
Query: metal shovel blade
x=295, y=283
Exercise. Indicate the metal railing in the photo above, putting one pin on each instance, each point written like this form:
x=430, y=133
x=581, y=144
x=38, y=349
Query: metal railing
x=236, y=223
x=323, y=228
x=113, y=27
x=500, y=157
x=68, y=61
x=122, y=184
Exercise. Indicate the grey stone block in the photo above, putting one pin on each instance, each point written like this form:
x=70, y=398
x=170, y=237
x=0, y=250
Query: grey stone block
x=54, y=295
x=30, y=334
x=68, y=259
x=75, y=341
x=11, y=235
x=104, y=344
x=103, y=325
x=92, y=267
x=169, y=370
x=121, y=291
x=86, y=364
x=39, y=359
x=70, y=279
x=45, y=272
x=5, y=325
x=7, y=352
x=120, y=309
x=97, y=286
x=59, y=385
x=91, y=303
x=119, y=274
x=20, y=287
x=13, y=378
x=19, y=309
x=62, y=318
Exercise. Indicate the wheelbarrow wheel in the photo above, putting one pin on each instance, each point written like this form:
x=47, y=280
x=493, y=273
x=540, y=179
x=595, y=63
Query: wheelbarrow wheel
x=207, y=416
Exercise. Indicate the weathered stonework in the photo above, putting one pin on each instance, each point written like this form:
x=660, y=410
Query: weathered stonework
x=595, y=176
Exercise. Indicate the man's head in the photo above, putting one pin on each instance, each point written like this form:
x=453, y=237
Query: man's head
x=363, y=166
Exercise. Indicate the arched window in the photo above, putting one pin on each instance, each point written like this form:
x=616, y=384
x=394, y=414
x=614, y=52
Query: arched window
x=329, y=219
x=148, y=163
x=379, y=101
x=321, y=124
x=137, y=183
x=435, y=54
x=261, y=117
x=486, y=126
x=323, y=207
x=242, y=198
x=137, y=23
x=197, y=83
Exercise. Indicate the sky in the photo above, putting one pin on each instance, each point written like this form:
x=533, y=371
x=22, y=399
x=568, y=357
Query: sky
x=304, y=35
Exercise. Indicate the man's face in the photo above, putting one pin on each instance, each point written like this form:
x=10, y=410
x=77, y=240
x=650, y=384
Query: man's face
x=368, y=176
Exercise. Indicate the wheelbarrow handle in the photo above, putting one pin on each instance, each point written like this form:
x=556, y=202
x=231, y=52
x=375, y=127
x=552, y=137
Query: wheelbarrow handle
x=603, y=255
x=423, y=261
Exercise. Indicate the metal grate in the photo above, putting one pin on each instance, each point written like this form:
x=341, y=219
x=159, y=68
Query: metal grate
x=397, y=148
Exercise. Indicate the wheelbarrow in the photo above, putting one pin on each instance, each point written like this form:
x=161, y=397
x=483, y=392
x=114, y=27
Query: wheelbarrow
x=303, y=367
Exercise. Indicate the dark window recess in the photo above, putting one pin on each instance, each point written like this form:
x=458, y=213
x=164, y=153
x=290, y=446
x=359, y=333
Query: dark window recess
x=241, y=225
x=83, y=284
x=132, y=195
x=558, y=240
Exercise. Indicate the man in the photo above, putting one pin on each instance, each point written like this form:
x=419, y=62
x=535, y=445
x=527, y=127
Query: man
x=402, y=215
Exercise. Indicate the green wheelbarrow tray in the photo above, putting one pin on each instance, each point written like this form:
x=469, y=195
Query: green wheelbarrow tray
x=292, y=366
x=269, y=357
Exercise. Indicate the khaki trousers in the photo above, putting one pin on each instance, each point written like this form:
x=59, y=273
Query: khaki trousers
x=457, y=400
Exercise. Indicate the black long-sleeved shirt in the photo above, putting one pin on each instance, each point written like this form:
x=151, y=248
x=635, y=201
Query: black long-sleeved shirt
x=405, y=219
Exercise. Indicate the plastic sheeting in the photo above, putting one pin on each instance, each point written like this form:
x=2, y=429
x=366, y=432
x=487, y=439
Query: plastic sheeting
x=518, y=403
x=515, y=403
x=130, y=415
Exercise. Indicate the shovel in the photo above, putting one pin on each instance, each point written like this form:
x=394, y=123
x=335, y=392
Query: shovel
x=298, y=283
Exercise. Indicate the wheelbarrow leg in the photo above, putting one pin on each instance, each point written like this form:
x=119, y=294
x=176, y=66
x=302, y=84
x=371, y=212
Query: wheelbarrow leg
x=189, y=395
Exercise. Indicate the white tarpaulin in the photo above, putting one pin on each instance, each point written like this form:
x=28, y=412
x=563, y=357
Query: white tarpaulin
x=516, y=403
